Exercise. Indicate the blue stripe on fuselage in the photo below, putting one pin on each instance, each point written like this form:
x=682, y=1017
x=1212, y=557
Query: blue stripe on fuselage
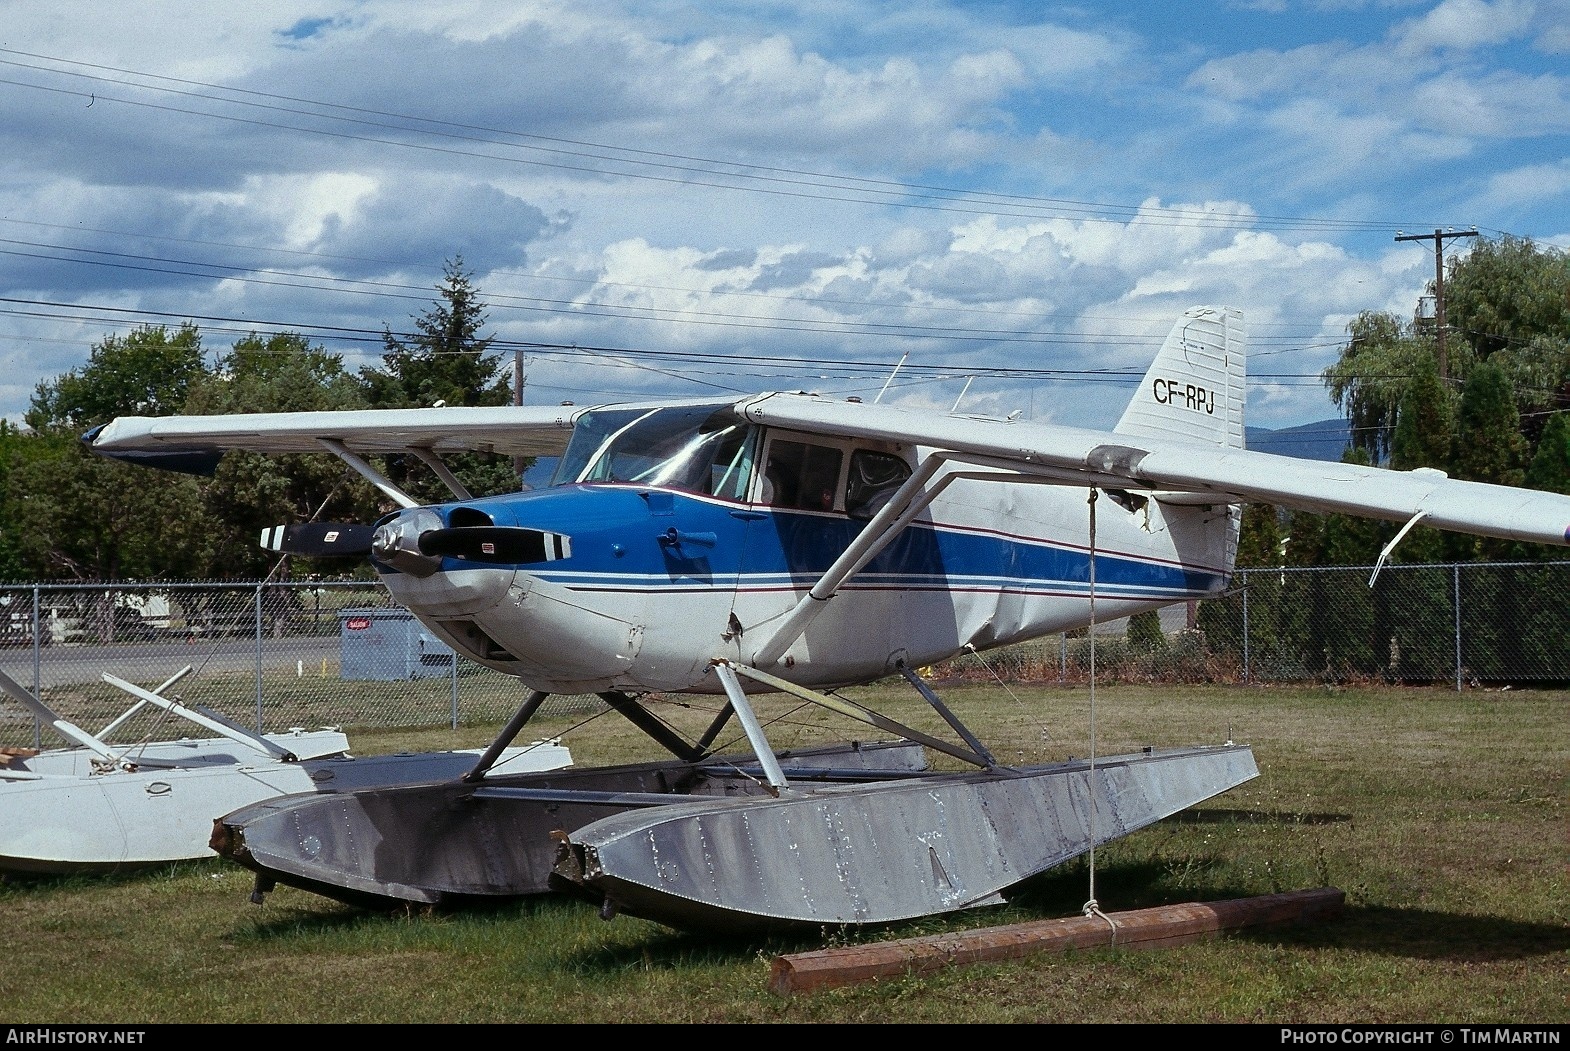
x=622, y=539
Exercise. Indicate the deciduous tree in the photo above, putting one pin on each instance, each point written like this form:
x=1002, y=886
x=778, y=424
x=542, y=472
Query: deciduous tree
x=251, y=491
x=81, y=517
x=147, y=373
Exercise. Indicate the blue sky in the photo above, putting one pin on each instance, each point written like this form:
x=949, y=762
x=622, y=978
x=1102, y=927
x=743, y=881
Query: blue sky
x=1015, y=200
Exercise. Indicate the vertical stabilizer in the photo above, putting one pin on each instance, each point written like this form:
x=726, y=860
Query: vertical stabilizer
x=1196, y=387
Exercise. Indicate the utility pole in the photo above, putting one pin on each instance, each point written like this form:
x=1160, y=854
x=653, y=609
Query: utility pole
x=1438, y=237
x=518, y=380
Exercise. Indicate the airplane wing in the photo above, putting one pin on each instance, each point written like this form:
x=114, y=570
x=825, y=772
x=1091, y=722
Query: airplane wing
x=1189, y=471
x=195, y=442
x=1171, y=469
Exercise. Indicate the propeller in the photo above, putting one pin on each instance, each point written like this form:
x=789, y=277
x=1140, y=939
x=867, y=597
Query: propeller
x=410, y=539
x=316, y=539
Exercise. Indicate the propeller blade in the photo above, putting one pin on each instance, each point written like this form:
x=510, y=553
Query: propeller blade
x=318, y=539
x=505, y=545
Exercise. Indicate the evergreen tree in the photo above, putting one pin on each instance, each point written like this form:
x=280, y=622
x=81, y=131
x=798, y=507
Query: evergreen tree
x=1144, y=633
x=1489, y=446
x=444, y=362
x=1550, y=467
x=1425, y=421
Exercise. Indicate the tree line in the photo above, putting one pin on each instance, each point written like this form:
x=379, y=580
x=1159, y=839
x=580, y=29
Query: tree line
x=1497, y=413
x=69, y=515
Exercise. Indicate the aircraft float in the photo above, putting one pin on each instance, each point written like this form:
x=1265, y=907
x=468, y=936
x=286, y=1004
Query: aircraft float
x=116, y=800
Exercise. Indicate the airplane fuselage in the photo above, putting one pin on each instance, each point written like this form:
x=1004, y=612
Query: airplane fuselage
x=700, y=563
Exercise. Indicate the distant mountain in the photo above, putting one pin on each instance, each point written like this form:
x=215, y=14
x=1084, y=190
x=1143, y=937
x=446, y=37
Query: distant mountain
x=1324, y=440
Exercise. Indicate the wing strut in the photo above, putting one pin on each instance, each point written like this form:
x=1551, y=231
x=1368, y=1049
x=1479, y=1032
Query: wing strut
x=95, y=744
x=434, y=462
x=64, y=726
x=218, y=725
x=112, y=727
x=369, y=473
x=905, y=504
x=772, y=774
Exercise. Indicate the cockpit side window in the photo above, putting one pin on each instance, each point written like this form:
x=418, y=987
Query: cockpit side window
x=730, y=470
x=801, y=475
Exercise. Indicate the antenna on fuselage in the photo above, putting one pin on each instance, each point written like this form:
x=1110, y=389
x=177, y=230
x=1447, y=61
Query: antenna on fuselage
x=962, y=393
x=886, y=382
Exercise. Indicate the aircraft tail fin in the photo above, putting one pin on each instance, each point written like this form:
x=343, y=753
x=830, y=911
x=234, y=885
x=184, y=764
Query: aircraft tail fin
x=1196, y=387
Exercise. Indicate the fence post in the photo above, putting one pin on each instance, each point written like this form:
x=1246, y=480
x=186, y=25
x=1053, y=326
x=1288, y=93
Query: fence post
x=453, y=674
x=1247, y=673
x=257, y=612
x=1455, y=573
x=38, y=665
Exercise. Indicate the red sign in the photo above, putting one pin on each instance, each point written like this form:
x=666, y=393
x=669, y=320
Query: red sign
x=357, y=623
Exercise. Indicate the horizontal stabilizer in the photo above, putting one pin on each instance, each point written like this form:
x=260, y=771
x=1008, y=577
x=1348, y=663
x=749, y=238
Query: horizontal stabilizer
x=318, y=539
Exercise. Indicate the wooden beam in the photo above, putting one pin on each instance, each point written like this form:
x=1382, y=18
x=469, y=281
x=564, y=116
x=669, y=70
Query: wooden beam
x=1142, y=929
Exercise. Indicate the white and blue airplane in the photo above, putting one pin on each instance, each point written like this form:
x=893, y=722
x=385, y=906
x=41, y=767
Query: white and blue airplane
x=797, y=543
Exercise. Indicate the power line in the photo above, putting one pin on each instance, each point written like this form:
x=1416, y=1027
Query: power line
x=638, y=163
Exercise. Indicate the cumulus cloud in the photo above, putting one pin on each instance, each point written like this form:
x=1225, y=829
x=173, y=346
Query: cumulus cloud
x=1464, y=25
x=974, y=185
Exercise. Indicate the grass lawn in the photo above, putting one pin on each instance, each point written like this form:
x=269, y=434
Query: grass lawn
x=1441, y=815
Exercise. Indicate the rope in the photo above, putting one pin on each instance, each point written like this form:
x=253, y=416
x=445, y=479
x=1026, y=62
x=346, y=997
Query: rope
x=1091, y=906
x=1094, y=909
x=1019, y=705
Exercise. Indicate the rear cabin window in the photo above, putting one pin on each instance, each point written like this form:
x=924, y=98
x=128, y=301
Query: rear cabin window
x=872, y=479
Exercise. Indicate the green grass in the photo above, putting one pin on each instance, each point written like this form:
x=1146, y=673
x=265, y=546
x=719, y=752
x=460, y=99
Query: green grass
x=1442, y=816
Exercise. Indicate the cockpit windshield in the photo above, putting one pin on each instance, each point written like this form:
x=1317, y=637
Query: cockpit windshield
x=699, y=448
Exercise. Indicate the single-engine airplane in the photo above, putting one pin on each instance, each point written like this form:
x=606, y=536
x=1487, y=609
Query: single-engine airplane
x=795, y=543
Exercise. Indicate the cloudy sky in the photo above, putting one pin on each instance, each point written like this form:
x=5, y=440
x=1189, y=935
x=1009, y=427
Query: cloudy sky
x=993, y=204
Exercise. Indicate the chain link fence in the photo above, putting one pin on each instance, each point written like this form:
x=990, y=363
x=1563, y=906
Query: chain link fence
x=267, y=656
x=1465, y=624
x=1461, y=625
x=273, y=656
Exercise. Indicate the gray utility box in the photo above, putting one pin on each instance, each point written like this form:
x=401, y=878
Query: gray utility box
x=389, y=644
